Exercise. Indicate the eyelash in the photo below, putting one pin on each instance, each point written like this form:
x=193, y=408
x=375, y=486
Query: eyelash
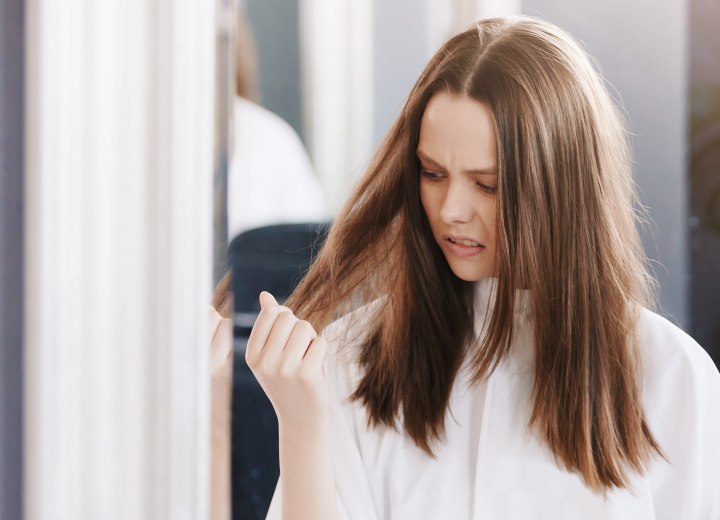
x=434, y=177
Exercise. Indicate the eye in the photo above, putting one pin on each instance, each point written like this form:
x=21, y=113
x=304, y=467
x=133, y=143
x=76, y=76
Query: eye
x=487, y=188
x=430, y=175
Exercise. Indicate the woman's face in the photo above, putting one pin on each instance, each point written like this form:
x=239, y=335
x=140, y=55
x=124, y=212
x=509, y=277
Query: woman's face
x=458, y=182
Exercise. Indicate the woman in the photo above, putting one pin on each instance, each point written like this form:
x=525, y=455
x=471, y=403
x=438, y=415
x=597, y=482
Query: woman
x=495, y=357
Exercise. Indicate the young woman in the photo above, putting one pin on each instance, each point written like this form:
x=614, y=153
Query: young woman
x=490, y=352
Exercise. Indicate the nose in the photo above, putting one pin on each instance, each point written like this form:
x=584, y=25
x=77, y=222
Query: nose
x=457, y=208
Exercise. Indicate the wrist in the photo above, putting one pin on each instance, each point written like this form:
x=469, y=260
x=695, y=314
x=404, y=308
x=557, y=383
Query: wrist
x=309, y=426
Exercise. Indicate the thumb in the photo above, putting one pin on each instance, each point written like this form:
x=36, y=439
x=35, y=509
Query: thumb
x=267, y=299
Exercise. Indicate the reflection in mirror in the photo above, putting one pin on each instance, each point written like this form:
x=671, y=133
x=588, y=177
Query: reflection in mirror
x=336, y=74
x=221, y=350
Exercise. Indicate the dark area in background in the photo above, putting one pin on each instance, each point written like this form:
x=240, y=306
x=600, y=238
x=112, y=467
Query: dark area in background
x=276, y=28
x=12, y=41
x=272, y=258
x=255, y=458
x=704, y=174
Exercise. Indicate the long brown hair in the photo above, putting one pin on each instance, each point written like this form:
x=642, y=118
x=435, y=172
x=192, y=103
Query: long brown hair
x=567, y=234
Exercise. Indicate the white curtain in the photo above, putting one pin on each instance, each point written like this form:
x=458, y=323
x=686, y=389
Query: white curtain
x=337, y=80
x=119, y=158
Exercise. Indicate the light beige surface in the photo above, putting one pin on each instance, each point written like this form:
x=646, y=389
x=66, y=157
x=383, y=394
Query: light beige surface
x=221, y=362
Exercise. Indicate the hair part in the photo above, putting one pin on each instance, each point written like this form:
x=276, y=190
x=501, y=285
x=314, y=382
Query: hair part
x=567, y=234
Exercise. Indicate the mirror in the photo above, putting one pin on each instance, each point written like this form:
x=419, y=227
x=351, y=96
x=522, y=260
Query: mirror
x=328, y=78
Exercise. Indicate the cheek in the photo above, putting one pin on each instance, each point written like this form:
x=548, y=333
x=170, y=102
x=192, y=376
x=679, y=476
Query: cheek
x=487, y=211
x=426, y=200
x=492, y=224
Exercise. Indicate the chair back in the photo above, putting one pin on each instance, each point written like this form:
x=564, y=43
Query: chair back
x=272, y=258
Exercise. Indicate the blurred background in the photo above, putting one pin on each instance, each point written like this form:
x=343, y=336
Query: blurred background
x=149, y=148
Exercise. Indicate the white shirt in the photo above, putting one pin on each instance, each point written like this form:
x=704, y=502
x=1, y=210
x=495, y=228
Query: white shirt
x=271, y=179
x=493, y=467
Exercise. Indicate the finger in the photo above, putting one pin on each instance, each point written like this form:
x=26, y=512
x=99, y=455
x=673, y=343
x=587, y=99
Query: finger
x=297, y=344
x=315, y=354
x=267, y=299
x=263, y=324
x=278, y=337
x=260, y=331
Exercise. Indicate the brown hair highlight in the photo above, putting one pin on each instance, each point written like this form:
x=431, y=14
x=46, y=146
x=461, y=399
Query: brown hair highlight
x=567, y=234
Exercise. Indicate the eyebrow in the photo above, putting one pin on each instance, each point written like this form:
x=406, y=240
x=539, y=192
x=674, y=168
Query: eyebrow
x=474, y=171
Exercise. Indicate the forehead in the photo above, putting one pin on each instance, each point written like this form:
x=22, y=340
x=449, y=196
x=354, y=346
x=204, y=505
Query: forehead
x=458, y=131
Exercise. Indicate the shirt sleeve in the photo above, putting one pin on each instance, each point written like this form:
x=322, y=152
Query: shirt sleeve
x=682, y=402
x=353, y=492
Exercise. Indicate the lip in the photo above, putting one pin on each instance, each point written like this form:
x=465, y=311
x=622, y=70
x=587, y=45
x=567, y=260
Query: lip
x=459, y=249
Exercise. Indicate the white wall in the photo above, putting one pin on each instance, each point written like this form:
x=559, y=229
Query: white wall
x=337, y=77
x=642, y=49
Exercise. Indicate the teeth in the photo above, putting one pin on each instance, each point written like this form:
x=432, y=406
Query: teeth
x=468, y=243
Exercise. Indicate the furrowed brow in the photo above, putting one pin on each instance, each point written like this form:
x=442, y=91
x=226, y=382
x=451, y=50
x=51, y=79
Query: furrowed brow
x=474, y=171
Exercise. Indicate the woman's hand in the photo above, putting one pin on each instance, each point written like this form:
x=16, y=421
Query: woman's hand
x=286, y=355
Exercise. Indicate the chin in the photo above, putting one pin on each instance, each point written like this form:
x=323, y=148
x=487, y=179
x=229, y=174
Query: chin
x=469, y=275
x=470, y=278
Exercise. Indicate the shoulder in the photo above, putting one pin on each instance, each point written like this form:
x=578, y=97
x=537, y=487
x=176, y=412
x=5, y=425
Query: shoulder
x=670, y=353
x=676, y=369
x=258, y=124
x=246, y=110
x=681, y=389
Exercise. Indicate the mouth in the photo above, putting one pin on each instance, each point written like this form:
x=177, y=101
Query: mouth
x=462, y=246
x=463, y=241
